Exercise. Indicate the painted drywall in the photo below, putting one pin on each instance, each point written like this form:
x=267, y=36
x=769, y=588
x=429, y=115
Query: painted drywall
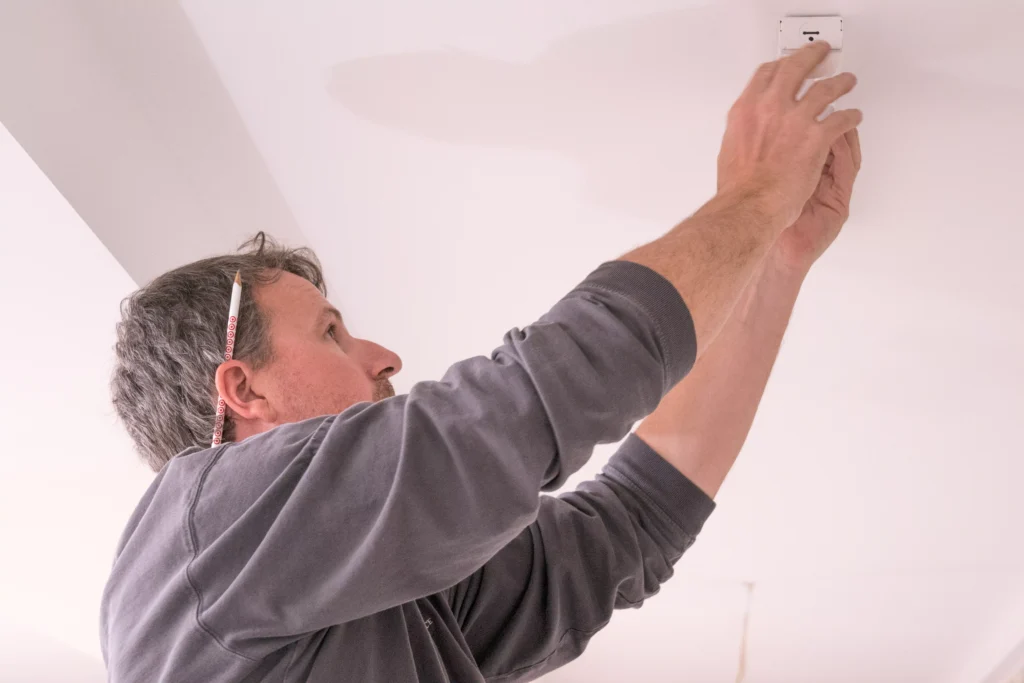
x=117, y=102
x=70, y=476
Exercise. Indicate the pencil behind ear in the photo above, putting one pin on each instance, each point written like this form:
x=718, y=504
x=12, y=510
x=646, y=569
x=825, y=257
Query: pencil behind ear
x=235, y=387
x=229, y=353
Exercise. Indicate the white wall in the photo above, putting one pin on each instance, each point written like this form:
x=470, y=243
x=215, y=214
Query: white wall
x=70, y=476
x=118, y=104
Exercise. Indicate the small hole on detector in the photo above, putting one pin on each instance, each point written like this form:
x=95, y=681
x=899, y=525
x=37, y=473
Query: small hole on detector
x=811, y=38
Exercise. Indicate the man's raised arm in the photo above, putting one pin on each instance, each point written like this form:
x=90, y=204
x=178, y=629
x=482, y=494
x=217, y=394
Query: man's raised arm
x=700, y=426
x=770, y=163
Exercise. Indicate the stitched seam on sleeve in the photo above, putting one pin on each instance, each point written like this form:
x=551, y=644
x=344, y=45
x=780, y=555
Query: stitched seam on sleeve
x=638, y=489
x=193, y=542
x=662, y=339
x=550, y=654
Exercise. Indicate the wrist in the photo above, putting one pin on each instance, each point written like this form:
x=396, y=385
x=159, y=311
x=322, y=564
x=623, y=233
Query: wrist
x=780, y=263
x=762, y=200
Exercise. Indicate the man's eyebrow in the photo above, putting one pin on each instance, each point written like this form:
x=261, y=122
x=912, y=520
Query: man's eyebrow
x=330, y=312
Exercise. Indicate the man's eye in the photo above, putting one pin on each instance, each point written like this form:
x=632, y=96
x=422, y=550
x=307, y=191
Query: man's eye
x=332, y=332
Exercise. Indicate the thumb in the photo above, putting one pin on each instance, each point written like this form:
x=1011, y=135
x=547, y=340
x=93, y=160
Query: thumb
x=844, y=170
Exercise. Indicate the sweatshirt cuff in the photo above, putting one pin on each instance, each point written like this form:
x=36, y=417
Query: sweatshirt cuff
x=661, y=485
x=662, y=303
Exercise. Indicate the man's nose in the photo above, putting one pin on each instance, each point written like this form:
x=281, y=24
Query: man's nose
x=383, y=362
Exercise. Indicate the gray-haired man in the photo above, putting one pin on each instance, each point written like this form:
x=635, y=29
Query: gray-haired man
x=346, y=534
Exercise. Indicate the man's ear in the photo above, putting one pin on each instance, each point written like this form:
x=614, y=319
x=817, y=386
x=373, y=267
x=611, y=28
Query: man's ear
x=234, y=380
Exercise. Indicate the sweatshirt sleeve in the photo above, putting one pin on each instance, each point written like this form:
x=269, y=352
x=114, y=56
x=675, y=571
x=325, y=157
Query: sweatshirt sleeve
x=326, y=521
x=609, y=544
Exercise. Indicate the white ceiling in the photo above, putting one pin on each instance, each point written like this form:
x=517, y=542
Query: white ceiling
x=460, y=165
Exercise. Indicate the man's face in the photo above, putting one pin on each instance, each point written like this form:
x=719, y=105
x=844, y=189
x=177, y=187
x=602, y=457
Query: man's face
x=317, y=367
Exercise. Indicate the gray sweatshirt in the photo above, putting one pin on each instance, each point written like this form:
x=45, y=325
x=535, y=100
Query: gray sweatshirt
x=407, y=540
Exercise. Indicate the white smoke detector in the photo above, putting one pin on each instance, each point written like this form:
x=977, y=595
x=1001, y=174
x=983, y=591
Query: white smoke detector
x=796, y=32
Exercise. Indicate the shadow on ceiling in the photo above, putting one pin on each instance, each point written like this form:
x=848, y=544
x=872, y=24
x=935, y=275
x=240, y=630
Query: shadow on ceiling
x=634, y=102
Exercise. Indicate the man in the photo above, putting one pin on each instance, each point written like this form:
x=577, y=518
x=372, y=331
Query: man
x=346, y=534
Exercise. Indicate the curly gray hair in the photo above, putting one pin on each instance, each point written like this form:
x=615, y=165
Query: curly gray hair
x=171, y=339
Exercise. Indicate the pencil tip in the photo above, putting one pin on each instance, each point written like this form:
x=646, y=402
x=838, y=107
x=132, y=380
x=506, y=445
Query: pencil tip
x=238, y=278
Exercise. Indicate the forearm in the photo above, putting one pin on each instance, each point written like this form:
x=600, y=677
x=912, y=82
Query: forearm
x=700, y=426
x=535, y=604
x=711, y=256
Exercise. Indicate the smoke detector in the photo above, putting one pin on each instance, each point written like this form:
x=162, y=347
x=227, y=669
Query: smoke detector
x=796, y=32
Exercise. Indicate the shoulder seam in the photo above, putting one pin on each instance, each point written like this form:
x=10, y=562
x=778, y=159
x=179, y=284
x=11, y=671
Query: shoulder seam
x=193, y=543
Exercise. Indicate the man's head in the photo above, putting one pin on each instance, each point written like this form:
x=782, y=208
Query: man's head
x=293, y=358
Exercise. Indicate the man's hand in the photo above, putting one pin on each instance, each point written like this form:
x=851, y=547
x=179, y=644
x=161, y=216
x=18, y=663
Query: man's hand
x=826, y=211
x=774, y=145
x=772, y=156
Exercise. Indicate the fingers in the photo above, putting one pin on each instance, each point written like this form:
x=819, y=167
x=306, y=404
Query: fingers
x=794, y=70
x=853, y=139
x=763, y=77
x=842, y=122
x=826, y=91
